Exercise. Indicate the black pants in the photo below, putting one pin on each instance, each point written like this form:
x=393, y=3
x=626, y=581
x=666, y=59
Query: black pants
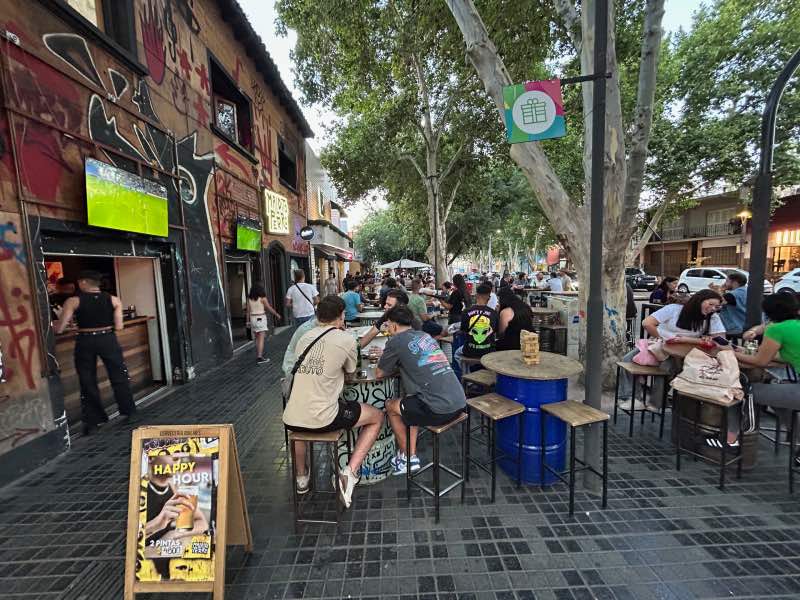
x=87, y=349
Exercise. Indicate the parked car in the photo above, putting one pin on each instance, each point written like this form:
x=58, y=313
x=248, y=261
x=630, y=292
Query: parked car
x=694, y=280
x=790, y=281
x=639, y=280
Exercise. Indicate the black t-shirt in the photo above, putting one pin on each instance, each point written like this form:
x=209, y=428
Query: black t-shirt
x=479, y=323
x=456, y=302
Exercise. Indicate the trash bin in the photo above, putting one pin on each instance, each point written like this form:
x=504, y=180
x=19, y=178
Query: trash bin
x=532, y=393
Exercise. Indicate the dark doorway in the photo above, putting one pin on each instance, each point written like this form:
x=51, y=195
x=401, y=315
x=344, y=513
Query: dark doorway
x=277, y=278
x=238, y=282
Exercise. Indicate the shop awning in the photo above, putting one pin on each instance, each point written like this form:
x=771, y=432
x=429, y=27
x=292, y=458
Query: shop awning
x=322, y=254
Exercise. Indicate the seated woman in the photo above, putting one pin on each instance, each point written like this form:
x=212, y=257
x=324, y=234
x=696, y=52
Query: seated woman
x=515, y=316
x=781, y=340
x=665, y=290
x=695, y=323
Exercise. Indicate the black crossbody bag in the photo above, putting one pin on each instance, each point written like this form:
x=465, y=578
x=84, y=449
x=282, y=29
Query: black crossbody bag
x=290, y=379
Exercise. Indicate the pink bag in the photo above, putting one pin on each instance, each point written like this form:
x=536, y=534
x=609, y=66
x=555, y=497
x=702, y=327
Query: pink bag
x=714, y=378
x=645, y=357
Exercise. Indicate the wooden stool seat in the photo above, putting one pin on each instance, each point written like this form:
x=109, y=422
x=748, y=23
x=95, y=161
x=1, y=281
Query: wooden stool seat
x=642, y=370
x=575, y=414
x=468, y=360
x=313, y=436
x=495, y=406
x=484, y=378
x=714, y=401
x=437, y=429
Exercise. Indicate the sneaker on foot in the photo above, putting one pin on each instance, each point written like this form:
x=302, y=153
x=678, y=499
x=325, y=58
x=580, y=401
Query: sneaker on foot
x=261, y=360
x=626, y=405
x=347, y=481
x=414, y=463
x=302, y=484
x=399, y=464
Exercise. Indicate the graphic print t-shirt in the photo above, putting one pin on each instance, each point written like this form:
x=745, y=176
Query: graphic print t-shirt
x=314, y=402
x=479, y=324
x=424, y=370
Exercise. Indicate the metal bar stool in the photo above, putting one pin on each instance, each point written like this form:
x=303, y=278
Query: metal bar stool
x=723, y=462
x=496, y=408
x=575, y=414
x=331, y=438
x=640, y=371
x=436, y=465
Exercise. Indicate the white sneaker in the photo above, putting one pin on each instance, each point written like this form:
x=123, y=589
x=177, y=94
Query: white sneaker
x=399, y=464
x=347, y=481
x=302, y=484
x=626, y=405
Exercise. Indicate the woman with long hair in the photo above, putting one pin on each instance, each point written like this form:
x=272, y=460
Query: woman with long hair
x=665, y=290
x=457, y=300
x=694, y=323
x=515, y=316
x=257, y=307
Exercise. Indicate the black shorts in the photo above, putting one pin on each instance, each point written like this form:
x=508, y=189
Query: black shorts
x=416, y=413
x=347, y=417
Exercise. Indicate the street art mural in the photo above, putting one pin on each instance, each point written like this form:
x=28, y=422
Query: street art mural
x=151, y=144
x=23, y=413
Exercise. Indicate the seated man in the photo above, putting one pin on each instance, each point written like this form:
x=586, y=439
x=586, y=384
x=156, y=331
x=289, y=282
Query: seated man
x=479, y=326
x=419, y=308
x=733, y=312
x=433, y=394
x=393, y=298
x=314, y=404
x=353, y=304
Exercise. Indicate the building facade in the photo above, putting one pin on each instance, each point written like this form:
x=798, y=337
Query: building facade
x=716, y=232
x=331, y=245
x=152, y=141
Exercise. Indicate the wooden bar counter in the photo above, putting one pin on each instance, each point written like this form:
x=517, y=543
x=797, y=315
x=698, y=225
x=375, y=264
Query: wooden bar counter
x=135, y=343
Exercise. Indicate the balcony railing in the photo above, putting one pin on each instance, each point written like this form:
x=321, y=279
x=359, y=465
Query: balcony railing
x=715, y=230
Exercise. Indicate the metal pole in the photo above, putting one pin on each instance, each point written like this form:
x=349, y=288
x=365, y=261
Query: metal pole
x=762, y=194
x=594, y=310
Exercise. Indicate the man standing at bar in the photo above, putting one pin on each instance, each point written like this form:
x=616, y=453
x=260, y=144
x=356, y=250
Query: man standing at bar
x=99, y=315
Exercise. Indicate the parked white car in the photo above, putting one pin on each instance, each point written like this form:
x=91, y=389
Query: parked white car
x=790, y=281
x=694, y=280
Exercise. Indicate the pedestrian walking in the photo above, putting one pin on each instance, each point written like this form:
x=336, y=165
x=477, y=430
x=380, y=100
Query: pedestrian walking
x=99, y=315
x=301, y=297
x=257, y=308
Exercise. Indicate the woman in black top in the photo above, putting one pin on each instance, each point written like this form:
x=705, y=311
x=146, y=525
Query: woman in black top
x=515, y=316
x=456, y=300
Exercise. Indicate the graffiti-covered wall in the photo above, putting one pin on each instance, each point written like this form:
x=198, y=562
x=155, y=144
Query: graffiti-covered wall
x=70, y=91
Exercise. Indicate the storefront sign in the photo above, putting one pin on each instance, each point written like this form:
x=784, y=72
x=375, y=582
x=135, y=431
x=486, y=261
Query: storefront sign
x=307, y=233
x=276, y=211
x=185, y=504
x=534, y=111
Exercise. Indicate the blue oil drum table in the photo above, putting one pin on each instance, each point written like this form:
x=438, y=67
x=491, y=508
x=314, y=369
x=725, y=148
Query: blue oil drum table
x=532, y=386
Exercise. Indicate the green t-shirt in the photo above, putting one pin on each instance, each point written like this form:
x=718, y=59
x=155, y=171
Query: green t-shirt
x=417, y=305
x=787, y=334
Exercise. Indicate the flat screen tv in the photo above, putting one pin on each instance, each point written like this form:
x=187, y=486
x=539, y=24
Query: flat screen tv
x=119, y=199
x=248, y=235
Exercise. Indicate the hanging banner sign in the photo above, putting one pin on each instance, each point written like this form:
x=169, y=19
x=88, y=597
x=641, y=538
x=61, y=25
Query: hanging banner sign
x=534, y=111
x=306, y=233
x=276, y=212
x=185, y=505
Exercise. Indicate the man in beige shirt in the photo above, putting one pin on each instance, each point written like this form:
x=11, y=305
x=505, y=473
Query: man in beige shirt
x=314, y=405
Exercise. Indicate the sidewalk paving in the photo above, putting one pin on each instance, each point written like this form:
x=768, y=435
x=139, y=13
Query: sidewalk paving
x=665, y=535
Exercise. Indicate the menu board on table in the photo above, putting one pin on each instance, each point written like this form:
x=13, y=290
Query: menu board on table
x=185, y=504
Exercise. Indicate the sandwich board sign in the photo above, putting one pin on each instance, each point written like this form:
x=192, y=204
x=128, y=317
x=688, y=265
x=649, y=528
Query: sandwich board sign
x=186, y=503
x=534, y=111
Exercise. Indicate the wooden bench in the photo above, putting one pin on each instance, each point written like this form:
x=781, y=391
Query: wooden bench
x=576, y=414
x=635, y=371
x=495, y=408
x=484, y=380
x=435, y=464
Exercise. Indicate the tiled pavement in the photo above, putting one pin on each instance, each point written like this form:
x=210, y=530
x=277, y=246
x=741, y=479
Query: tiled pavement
x=665, y=535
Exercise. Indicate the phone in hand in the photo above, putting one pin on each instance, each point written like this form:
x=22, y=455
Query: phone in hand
x=721, y=340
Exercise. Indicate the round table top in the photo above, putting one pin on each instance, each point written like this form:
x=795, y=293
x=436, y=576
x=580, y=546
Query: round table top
x=365, y=375
x=565, y=293
x=370, y=314
x=538, y=310
x=551, y=366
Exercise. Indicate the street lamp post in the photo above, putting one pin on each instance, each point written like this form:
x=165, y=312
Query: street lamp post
x=743, y=217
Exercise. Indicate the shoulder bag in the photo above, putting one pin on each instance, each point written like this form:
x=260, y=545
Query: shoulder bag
x=289, y=381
